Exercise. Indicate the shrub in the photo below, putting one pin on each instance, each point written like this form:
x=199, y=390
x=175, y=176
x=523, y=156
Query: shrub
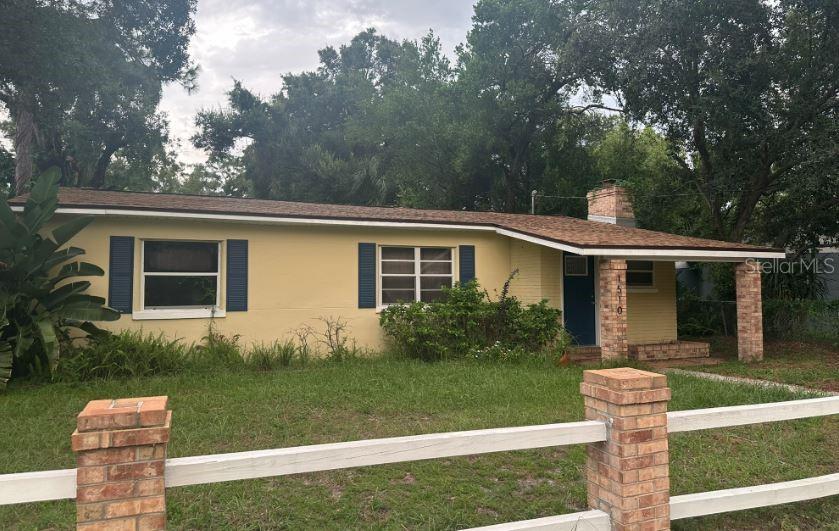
x=466, y=322
x=304, y=349
x=335, y=338
x=269, y=356
x=127, y=354
x=801, y=319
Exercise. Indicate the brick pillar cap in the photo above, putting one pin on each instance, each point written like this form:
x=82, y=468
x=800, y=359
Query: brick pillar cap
x=625, y=378
x=123, y=413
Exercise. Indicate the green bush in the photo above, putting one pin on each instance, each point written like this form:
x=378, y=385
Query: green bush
x=467, y=323
x=124, y=355
x=801, y=319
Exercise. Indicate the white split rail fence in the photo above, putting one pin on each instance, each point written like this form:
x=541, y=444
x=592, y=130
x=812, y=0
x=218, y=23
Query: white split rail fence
x=61, y=484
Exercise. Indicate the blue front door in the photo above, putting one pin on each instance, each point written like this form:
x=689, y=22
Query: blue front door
x=578, y=290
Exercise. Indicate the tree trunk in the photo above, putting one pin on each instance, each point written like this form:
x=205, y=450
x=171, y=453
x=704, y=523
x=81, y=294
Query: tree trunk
x=24, y=140
x=98, y=180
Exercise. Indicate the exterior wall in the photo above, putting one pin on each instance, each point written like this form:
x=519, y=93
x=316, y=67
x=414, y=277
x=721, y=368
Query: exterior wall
x=651, y=313
x=300, y=273
x=540, y=273
x=296, y=273
x=552, y=276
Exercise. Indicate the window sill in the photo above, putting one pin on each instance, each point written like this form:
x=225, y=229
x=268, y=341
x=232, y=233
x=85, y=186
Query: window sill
x=197, y=313
x=642, y=290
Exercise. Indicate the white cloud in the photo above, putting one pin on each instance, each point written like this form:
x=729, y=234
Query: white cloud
x=258, y=41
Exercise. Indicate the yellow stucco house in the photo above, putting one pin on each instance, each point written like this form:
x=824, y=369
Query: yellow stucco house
x=263, y=268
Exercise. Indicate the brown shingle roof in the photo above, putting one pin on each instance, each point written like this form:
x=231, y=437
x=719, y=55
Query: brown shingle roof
x=571, y=231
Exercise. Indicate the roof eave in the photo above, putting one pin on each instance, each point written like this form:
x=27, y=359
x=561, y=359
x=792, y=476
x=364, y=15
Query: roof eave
x=635, y=253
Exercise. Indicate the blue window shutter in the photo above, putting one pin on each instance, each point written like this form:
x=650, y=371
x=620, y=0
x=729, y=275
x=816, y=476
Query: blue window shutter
x=467, y=263
x=366, y=275
x=237, y=276
x=121, y=274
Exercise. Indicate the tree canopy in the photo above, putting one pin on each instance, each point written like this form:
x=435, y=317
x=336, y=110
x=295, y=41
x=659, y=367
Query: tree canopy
x=82, y=82
x=746, y=93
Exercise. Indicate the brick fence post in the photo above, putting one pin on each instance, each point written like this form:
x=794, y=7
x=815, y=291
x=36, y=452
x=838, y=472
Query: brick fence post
x=120, y=450
x=628, y=475
x=749, y=311
x=613, y=323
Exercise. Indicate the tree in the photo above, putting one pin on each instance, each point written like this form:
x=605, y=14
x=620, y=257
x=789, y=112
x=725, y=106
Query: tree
x=314, y=141
x=82, y=79
x=746, y=92
x=521, y=65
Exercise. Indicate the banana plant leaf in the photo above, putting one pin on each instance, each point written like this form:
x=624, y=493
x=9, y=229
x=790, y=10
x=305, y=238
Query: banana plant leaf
x=57, y=258
x=78, y=269
x=5, y=363
x=62, y=294
x=87, y=311
x=63, y=233
x=5, y=354
x=49, y=339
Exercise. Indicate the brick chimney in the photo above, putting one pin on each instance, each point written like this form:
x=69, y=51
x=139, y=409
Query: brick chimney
x=610, y=204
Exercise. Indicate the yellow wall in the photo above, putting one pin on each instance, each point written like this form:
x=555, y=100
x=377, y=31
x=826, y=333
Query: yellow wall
x=300, y=273
x=539, y=273
x=296, y=273
x=651, y=313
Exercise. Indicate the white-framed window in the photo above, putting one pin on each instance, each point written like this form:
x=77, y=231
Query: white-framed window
x=576, y=266
x=408, y=274
x=180, y=278
x=639, y=274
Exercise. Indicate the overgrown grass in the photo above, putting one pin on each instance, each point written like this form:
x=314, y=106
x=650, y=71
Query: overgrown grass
x=814, y=365
x=270, y=356
x=133, y=354
x=329, y=402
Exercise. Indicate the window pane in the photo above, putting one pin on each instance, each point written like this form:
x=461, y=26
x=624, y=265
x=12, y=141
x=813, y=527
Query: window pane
x=636, y=278
x=390, y=296
x=398, y=282
x=436, y=268
x=639, y=265
x=431, y=253
x=397, y=253
x=180, y=291
x=180, y=257
x=576, y=266
x=432, y=295
x=398, y=267
x=435, y=282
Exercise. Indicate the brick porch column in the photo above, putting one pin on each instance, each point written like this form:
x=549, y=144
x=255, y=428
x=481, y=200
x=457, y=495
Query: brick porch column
x=613, y=328
x=749, y=311
x=628, y=475
x=120, y=450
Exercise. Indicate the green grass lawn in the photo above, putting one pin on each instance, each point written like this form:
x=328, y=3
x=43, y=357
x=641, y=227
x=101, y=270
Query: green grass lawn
x=328, y=402
x=814, y=365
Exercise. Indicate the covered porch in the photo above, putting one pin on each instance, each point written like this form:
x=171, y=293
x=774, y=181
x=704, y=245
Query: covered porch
x=631, y=313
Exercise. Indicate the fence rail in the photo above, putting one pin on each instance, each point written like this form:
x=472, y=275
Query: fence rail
x=723, y=501
x=284, y=461
x=61, y=484
x=723, y=417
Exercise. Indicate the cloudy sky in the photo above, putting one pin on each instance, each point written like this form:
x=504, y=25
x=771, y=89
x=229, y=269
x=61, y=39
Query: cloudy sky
x=256, y=41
